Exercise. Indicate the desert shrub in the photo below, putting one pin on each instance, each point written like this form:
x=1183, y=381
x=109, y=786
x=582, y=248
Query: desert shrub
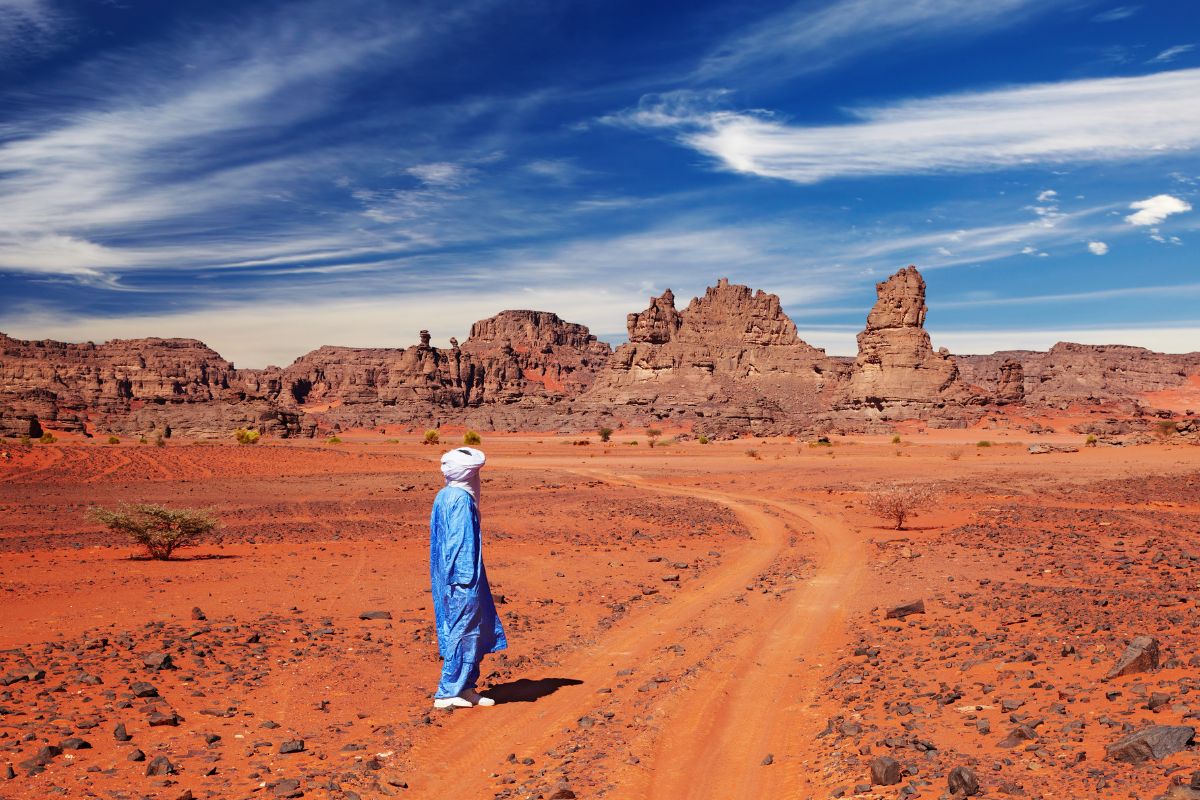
x=143, y=440
x=391, y=441
x=983, y=443
x=605, y=434
x=822, y=441
x=896, y=439
x=1163, y=428
x=159, y=441
x=956, y=453
x=471, y=437
x=26, y=441
x=897, y=504
x=333, y=440
x=703, y=439
x=582, y=442
x=1091, y=440
x=247, y=436
x=113, y=440
x=160, y=530
x=632, y=441
x=48, y=438
x=752, y=453
x=431, y=437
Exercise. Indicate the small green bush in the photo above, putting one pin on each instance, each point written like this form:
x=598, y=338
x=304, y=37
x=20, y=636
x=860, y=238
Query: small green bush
x=431, y=437
x=113, y=440
x=247, y=436
x=160, y=530
x=752, y=453
x=822, y=441
x=983, y=443
x=391, y=441
x=1164, y=428
x=896, y=439
x=48, y=438
x=605, y=434
x=632, y=441
x=143, y=440
x=26, y=441
x=1091, y=440
x=471, y=437
x=703, y=439
x=333, y=440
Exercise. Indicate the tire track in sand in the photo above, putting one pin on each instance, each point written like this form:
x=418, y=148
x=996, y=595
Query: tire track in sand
x=709, y=731
x=717, y=736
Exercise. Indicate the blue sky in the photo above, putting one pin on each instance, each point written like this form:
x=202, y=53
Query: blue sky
x=270, y=177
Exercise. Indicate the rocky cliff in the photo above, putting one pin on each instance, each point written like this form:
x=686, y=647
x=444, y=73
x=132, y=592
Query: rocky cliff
x=1079, y=375
x=127, y=386
x=513, y=364
x=731, y=362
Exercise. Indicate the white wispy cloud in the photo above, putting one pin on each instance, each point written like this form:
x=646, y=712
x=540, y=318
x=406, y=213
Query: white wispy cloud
x=178, y=153
x=805, y=37
x=1091, y=296
x=1053, y=123
x=1171, y=53
x=1116, y=14
x=1097, y=248
x=1153, y=210
x=28, y=28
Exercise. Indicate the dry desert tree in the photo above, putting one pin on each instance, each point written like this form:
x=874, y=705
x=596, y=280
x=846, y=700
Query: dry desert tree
x=160, y=530
x=898, y=503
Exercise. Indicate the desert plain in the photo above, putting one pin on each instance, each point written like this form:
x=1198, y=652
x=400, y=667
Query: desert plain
x=719, y=620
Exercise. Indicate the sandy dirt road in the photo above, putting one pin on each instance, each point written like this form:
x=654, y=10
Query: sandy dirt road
x=749, y=699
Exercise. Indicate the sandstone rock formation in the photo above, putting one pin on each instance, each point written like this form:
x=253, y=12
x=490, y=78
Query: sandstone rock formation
x=897, y=374
x=1083, y=375
x=513, y=364
x=125, y=386
x=731, y=361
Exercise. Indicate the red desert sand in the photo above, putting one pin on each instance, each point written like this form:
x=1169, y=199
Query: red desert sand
x=723, y=620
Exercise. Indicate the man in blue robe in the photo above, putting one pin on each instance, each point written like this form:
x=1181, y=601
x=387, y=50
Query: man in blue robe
x=468, y=626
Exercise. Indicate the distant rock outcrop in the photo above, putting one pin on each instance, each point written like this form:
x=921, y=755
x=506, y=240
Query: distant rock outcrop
x=126, y=386
x=732, y=362
x=1083, y=375
x=897, y=374
x=513, y=364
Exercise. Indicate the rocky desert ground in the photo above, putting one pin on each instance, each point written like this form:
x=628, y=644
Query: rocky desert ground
x=721, y=620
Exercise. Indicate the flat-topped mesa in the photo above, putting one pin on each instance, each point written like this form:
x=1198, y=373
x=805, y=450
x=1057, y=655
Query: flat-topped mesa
x=517, y=359
x=534, y=357
x=896, y=362
x=1084, y=374
x=123, y=386
x=532, y=330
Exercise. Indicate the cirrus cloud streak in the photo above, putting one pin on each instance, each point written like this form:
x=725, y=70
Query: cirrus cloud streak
x=1107, y=119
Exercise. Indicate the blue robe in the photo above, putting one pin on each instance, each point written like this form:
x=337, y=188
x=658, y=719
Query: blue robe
x=468, y=626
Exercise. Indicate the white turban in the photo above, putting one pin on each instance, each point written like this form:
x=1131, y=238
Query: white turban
x=461, y=469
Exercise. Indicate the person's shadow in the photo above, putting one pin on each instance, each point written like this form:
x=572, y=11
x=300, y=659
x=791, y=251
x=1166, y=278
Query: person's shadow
x=528, y=691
